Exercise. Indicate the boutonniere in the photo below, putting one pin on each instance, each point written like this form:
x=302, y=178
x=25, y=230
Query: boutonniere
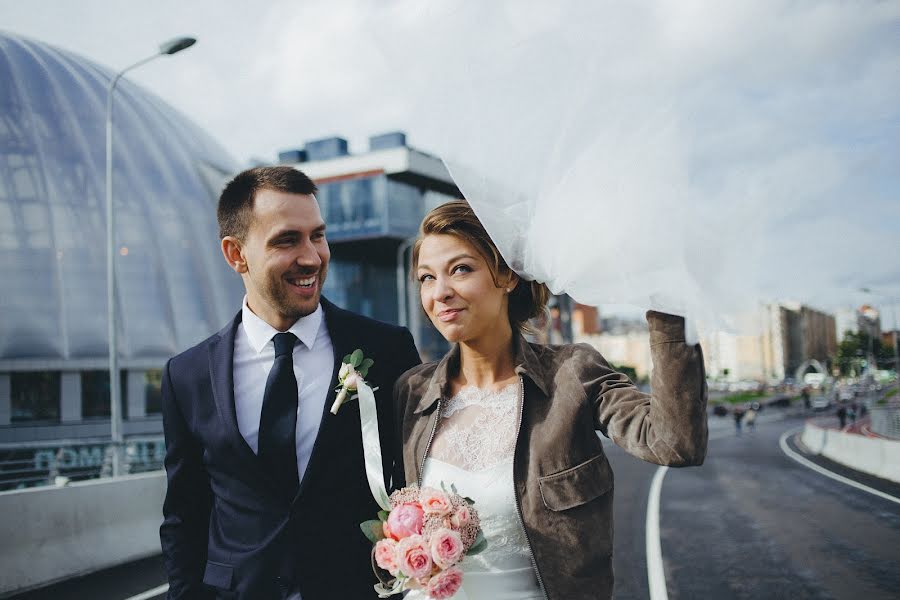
x=354, y=369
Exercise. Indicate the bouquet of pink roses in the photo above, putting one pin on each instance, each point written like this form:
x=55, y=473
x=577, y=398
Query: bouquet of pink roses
x=422, y=538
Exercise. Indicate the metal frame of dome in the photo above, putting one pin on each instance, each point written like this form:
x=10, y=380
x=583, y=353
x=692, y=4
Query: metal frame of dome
x=173, y=287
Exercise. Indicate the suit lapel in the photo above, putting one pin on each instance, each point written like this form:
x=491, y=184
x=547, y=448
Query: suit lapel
x=342, y=342
x=221, y=368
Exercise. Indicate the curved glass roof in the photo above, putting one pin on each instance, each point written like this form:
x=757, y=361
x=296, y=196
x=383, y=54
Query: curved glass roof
x=174, y=288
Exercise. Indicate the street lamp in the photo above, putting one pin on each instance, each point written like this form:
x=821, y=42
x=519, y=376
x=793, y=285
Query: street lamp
x=115, y=414
x=892, y=302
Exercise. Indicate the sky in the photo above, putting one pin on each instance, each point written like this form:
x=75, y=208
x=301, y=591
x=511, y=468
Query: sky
x=749, y=149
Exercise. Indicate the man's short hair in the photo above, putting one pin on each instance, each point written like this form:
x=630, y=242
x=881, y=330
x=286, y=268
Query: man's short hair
x=236, y=202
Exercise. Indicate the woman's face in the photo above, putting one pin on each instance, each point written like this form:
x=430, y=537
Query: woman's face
x=458, y=291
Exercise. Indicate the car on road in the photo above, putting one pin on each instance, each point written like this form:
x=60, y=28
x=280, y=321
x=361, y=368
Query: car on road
x=783, y=401
x=819, y=403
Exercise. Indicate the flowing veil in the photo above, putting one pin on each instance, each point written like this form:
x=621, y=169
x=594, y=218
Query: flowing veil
x=659, y=155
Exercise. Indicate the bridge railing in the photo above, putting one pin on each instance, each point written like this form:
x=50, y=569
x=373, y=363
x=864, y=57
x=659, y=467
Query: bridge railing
x=38, y=464
x=885, y=421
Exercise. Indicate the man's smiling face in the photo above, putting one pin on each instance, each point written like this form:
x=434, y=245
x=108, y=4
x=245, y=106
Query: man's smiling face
x=285, y=256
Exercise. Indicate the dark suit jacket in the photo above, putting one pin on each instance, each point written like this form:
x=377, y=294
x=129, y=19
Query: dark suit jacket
x=229, y=529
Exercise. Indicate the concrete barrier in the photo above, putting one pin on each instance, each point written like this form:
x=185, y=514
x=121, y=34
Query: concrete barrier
x=53, y=533
x=875, y=456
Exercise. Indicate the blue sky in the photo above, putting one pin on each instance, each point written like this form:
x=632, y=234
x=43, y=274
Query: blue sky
x=777, y=122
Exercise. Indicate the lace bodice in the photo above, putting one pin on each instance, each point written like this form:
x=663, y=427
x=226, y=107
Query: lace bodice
x=473, y=450
x=477, y=428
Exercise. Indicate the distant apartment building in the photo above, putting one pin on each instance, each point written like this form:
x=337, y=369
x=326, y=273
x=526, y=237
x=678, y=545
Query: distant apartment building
x=865, y=319
x=585, y=319
x=792, y=335
x=869, y=321
x=846, y=321
x=621, y=341
x=734, y=357
x=771, y=346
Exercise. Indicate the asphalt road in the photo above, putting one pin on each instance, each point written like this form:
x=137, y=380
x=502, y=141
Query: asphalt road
x=749, y=523
x=752, y=523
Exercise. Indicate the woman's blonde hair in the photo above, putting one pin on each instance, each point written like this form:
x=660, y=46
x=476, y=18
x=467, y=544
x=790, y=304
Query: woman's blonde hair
x=529, y=298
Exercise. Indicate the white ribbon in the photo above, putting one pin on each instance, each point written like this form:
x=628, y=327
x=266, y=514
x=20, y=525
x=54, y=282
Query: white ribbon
x=368, y=420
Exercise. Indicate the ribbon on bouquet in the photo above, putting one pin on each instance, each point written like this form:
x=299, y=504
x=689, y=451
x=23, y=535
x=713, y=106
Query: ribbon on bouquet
x=368, y=420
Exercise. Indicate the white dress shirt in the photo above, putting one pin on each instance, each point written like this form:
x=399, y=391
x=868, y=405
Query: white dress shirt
x=254, y=355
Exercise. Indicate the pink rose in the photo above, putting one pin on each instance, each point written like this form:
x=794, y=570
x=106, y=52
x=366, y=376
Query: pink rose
x=412, y=557
x=446, y=547
x=461, y=517
x=404, y=521
x=445, y=584
x=435, y=502
x=385, y=553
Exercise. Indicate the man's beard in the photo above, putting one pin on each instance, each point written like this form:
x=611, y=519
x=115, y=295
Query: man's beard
x=280, y=298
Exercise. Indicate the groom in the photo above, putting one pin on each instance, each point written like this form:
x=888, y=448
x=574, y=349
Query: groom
x=266, y=488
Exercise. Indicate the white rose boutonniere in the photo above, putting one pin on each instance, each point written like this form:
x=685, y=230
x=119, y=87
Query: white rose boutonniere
x=354, y=369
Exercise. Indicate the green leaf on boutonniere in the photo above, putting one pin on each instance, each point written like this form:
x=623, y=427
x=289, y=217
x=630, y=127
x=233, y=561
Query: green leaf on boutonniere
x=356, y=358
x=478, y=546
x=346, y=359
x=372, y=530
x=383, y=515
x=367, y=364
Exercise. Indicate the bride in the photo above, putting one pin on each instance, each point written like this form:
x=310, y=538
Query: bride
x=513, y=424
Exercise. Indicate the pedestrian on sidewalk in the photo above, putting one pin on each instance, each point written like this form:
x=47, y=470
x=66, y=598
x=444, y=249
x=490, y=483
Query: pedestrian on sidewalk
x=842, y=415
x=738, y=417
x=750, y=419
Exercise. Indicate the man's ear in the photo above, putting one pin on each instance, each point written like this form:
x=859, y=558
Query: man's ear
x=233, y=251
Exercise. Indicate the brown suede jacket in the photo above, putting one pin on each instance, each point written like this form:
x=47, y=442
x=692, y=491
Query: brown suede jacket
x=564, y=484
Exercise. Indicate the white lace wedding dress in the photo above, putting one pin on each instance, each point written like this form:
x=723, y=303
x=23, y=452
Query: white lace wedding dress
x=473, y=450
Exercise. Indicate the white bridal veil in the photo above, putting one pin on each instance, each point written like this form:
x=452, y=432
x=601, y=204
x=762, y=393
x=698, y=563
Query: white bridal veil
x=669, y=155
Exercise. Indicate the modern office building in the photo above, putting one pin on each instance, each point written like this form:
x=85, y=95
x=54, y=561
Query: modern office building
x=173, y=287
x=373, y=203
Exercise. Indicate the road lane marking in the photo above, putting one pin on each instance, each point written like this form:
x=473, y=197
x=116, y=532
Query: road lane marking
x=151, y=593
x=656, y=576
x=808, y=463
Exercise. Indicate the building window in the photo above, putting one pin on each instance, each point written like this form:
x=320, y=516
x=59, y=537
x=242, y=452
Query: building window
x=153, y=391
x=35, y=396
x=95, y=394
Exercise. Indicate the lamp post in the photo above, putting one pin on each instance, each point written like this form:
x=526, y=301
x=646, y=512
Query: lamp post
x=892, y=301
x=115, y=414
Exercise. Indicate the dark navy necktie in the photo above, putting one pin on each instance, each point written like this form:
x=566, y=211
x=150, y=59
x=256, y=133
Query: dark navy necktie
x=278, y=421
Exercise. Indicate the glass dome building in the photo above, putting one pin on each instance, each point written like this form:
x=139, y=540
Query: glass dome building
x=174, y=289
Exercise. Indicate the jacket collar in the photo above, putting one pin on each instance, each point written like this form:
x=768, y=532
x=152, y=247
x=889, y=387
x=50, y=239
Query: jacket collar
x=527, y=365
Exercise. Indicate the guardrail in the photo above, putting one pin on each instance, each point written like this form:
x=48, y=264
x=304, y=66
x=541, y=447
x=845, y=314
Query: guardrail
x=876, y=456
x=32, y=465
x=53, y=533
x=885, y=421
